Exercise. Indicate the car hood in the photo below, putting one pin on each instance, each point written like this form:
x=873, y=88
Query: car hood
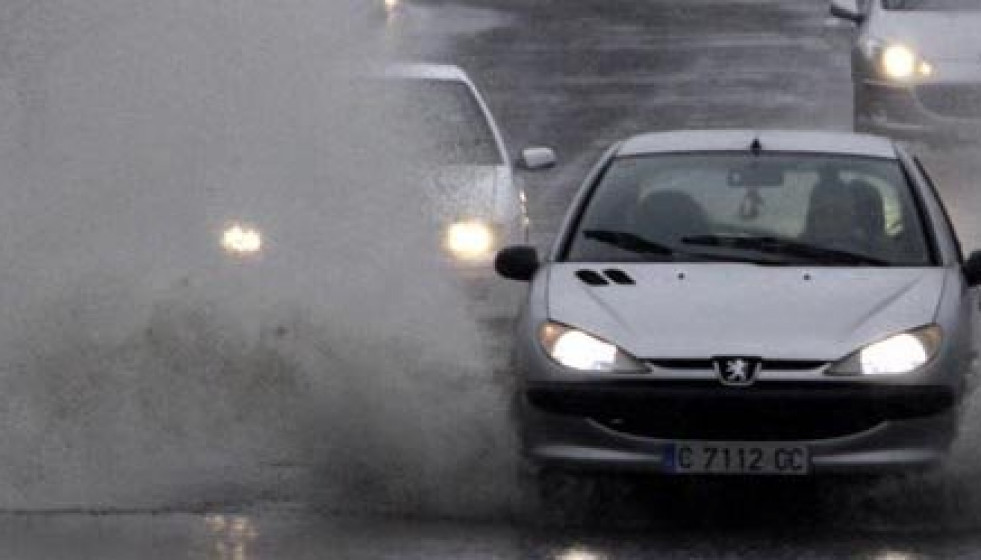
x=936, y=36
x=702, y=310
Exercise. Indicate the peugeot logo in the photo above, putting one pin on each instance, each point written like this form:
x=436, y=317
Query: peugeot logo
x=737, y=371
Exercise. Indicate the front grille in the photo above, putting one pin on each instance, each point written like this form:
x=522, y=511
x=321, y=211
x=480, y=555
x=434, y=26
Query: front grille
x=764, y=412
x=767, y=365
x=735, y=423
x=959, y=101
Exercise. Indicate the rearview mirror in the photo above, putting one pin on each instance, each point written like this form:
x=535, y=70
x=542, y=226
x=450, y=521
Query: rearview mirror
x=972, y=269
x=518, y=262
x=847, y=10
x=535, y=158
x=757, y=174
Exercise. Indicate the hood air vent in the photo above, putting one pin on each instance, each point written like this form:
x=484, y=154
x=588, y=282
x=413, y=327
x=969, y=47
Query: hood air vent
x=591, y=278
x=619, y=277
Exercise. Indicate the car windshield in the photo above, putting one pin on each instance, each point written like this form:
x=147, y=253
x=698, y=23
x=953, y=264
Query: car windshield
x=771, y=209
x=933, y=5
x=439, y=119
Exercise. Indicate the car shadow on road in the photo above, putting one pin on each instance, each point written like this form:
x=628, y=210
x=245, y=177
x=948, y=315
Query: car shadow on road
x=888, y=504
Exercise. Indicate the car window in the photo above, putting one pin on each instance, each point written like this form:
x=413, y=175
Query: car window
x=932, y=5
x=859, y=205
x=440, y=118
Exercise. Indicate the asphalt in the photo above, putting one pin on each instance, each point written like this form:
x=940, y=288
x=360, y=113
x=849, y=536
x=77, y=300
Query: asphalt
x=581, y=76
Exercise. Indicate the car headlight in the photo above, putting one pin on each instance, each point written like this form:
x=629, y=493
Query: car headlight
x=896, y=61
x=470, y=240
x=578, y=350
x=241, y=240
x=901, y=353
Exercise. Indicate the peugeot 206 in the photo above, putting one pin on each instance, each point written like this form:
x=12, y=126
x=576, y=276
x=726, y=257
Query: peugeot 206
x=746, y=302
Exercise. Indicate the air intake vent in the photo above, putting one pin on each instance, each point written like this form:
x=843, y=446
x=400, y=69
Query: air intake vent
x=619, y=277
x=591, y=278
x=768, y=365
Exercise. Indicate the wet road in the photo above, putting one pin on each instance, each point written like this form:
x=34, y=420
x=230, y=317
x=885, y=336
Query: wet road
x=293, y=535
x=299, y=535
x=577, y=75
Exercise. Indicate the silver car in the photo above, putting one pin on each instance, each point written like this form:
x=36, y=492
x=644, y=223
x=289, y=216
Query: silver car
x=471, y=187
x=746, y=302
x=916, y=67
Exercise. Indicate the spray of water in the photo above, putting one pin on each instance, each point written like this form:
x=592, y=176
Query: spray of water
x=141, y=366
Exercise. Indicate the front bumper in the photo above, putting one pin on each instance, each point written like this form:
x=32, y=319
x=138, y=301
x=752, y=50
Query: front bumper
x=848, y=427
x=932, y=112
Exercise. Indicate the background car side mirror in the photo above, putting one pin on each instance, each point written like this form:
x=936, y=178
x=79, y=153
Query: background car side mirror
x=518, y=262
x=535, y=158
x=972, y=269
x=847, y=10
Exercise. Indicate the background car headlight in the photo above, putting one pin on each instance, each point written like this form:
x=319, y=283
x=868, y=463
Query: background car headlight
x=898, y=354
x=896, y=61
x=241, y=240
x=584, y=352
x=470, y=240
x=901, y=63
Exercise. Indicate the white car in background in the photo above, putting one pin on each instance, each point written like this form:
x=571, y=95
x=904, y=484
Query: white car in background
x=916, y=67
x=427, y=128
x=478, y=206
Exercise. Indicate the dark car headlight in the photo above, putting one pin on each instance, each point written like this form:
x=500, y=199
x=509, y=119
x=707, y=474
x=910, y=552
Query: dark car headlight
x=898, y=354
x=582, y=351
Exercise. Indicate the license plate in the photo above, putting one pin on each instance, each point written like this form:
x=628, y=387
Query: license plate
x=737, y=458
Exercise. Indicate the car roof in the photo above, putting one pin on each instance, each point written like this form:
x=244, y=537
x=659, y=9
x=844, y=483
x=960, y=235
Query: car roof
x=425, y=71
x=844, y=143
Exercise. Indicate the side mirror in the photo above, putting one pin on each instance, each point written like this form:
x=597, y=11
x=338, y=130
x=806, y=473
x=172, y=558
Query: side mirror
x=532, y=159
x=518, y=262
x=972, y=269
x=847, y=10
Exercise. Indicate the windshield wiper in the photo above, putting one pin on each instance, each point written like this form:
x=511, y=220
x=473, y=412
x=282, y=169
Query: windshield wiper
x=628, y=241
x=637, y=244
x=781, y=246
